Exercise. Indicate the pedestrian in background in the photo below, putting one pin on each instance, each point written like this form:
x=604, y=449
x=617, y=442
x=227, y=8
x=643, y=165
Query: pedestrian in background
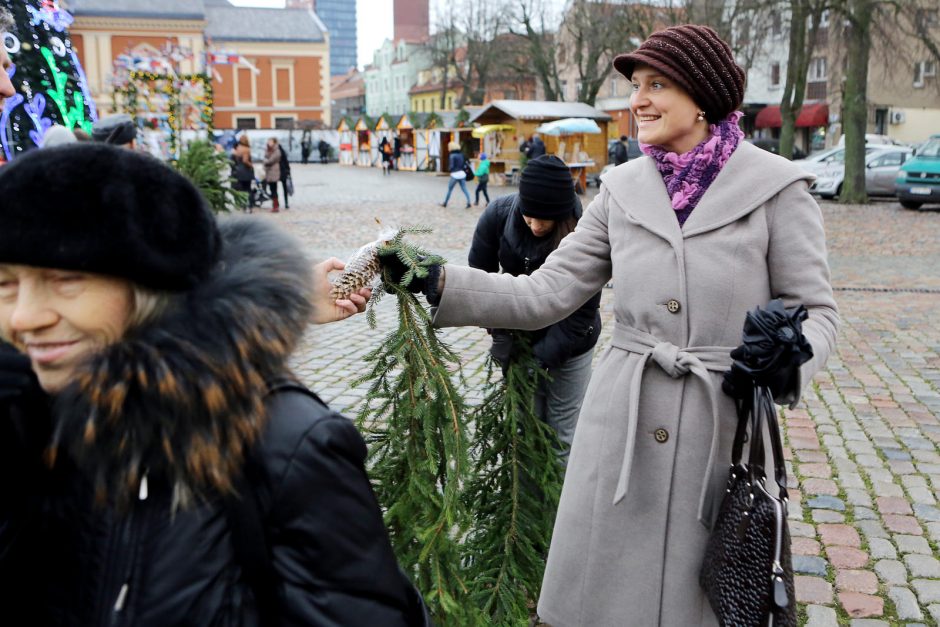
x=272, y=170
x=306, y=147
x=515, y=235
x=483, y=178
x=695, y=236
x=287, y=183
x=536, y=147
x=58, y=135
x=387, y=154
x=191, y=480
x=117, y=129
x=243, y=170
x=620, y=151
x=324, y=148
x=455, y=165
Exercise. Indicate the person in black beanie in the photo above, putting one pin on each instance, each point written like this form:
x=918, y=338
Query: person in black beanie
x=159, y=463
x=515, y=234
x=117, y=129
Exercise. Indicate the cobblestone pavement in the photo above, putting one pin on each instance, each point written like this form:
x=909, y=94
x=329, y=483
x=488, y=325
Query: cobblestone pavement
x=862, y=446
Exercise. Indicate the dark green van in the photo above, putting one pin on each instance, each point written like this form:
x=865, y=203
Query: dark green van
x=918, y=181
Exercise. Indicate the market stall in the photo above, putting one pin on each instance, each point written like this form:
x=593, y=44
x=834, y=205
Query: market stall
x=571, y=138
x=346, y=141
x=382, y=130
x=363, y=144
x=407, y=137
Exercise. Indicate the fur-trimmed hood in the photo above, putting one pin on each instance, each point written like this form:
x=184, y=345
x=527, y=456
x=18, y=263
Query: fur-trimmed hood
x=183, y=395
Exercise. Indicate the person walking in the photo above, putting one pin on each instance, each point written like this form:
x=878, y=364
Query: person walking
x=243, y=170
x=189, y=478
x=515, y=234
x=324, y=149
x=482, y=173
x=287, y=183
x=272, y=170
x=455, y=165
x=696, y=233
x=620, y=151
x=385, y=150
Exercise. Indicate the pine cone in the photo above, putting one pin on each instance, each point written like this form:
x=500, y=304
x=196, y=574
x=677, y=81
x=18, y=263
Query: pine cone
x=360, y=272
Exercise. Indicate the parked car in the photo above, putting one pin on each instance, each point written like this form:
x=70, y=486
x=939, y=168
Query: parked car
x=818, y=162
x=773, y=145
x=918, y=181
x=881, y=169
x=872, y=138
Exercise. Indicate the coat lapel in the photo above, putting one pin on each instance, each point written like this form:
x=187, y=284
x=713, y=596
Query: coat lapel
x=638, y=190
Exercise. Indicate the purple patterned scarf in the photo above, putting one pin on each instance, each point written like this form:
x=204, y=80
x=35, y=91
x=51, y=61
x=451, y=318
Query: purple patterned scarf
x=688, y=175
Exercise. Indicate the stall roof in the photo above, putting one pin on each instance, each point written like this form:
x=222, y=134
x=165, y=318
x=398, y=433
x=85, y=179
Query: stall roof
x=535, y=110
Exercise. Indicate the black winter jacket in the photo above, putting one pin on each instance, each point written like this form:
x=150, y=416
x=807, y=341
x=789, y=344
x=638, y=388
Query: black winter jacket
x=132, y=526
x=503, y=240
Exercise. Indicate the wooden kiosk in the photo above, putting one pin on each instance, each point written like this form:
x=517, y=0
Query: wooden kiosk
x=407, y=137
x=363, y=144
x=346, y=140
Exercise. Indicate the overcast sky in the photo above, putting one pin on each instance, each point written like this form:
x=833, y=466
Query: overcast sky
x=374, y=21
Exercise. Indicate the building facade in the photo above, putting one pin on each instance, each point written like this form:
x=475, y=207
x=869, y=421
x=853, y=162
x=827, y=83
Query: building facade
x=393, y=72
x=285, y=79
x=412, y=20
x=340, y=19
x=349, y=96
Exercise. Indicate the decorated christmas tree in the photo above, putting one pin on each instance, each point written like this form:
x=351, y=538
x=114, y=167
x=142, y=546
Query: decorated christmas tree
x=49, y=80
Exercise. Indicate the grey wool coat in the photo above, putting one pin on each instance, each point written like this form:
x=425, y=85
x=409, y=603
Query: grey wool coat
x=652, y=450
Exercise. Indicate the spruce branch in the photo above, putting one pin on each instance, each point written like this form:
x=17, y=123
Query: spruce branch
x=513, y=495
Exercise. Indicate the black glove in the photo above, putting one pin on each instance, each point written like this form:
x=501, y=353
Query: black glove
x=772, y=352
x=502, y=348
x=393, y=271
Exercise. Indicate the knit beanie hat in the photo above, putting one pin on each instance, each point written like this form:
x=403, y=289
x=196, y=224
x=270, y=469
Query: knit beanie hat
x=546, y=189
x=97, y=208
x=117, y=129
x=698, y=60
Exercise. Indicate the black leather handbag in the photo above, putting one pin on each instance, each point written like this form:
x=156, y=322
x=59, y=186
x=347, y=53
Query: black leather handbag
x=747, y=574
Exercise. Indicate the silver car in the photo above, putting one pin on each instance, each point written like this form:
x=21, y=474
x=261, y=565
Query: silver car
x=881, y=168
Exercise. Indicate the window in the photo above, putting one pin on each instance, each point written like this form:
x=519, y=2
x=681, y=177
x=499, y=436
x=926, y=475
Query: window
x=930, y=69
x=577, y=90
x=890, y=159
x=245, y=123
x=284, y=123
x=776, y=23
x=613, y=86
x=563, y=90
x=817, y=69
x=775, y=75
x=824, y=19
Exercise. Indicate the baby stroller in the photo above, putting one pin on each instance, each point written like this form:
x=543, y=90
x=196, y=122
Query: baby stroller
x=259, y=192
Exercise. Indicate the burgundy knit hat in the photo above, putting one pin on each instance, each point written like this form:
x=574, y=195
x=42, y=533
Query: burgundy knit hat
x=698, y=60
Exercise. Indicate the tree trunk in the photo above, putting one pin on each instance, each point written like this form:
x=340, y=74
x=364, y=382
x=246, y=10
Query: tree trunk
x=855, y=101
x=797, y=65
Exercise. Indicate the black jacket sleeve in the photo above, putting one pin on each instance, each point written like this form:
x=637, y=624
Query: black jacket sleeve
x=329, y=545
x=484, y=251
x=570, y=337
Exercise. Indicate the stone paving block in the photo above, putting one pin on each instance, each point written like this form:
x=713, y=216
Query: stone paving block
x=928, y=456
x=881, y=548
x=911, y=481
x=886, y=488
x=820, y=616
x=839, y=535
x=845, y=557
x=812, y=589
x=809, y=565
x=827, y=516
x=912, y=544
x=812, y=457
x=918, y=443
x=826, y=502
x=901, y=468
x=868, y=622
x=903, y=524
x=858, y=605
x=893, y=505
x=921, y=495
x=928, y=591
x=863, y=513
x=934, y=610
x=851, y=480
x=869, y=461
x=927, y=513
x=801, y=529
x=891, y=572
x=933, y=530
x=804, y=546
x=896, y=454
x=923, y=565
x=820, y=471
x=819, y=486
x=857, y=581
x=871, y=529
x=856, y=496
x=906, y=604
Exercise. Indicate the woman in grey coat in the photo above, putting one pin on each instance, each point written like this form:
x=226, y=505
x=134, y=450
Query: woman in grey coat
x=693, y=235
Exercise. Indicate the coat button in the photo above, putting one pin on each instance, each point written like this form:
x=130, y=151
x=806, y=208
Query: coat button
x=673, y=306
x=661, y=435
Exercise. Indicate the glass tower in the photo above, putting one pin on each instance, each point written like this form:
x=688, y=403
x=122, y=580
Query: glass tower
x=340, y=18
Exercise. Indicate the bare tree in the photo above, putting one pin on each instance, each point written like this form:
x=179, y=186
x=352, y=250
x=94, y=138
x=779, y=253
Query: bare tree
x=532, y=24
x=805, y=18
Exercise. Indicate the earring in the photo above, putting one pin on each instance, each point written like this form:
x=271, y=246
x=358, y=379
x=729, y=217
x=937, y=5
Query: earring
x=701, y=116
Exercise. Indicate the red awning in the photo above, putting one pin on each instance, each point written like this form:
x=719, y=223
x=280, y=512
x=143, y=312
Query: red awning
x=811, y=115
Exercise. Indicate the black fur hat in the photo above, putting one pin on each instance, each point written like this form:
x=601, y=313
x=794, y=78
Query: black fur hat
x=98, y=208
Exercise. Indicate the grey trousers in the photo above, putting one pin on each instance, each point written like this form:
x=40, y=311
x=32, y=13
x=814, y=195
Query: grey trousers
x=558, y=402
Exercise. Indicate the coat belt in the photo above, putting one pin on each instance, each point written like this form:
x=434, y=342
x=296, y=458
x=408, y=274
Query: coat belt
x=676, y=362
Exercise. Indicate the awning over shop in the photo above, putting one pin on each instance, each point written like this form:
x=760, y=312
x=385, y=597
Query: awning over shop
x=486, y=129
x=810, y=116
